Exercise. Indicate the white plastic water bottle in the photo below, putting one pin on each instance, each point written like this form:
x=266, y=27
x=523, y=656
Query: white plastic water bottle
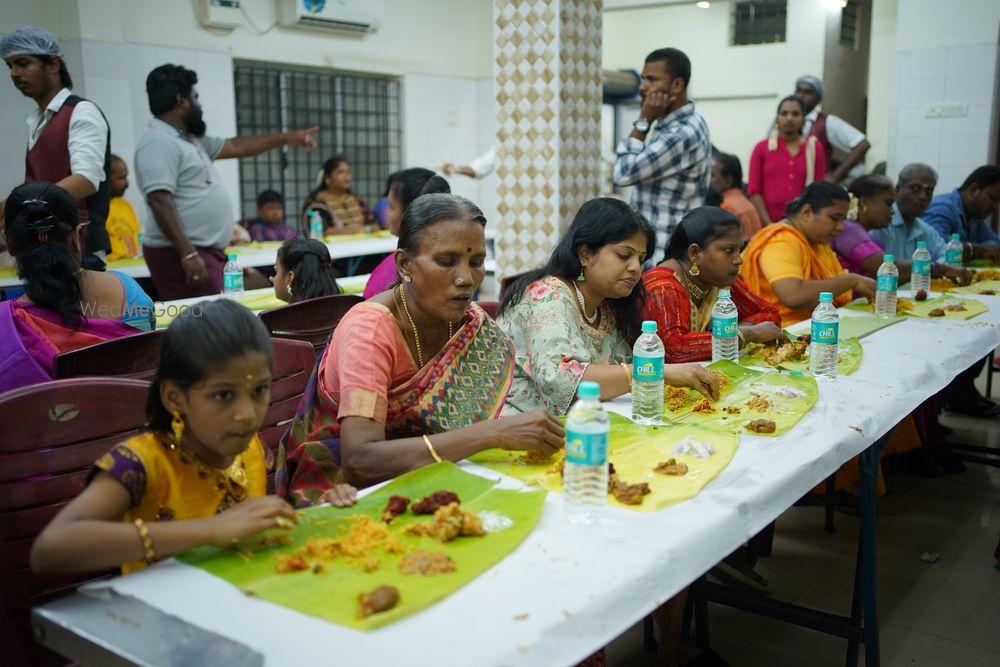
x=585, y=474
x=232, y=277
x=920, y=270
x=953, y=251
x=315, y=225
x=647, y=376
x=725, y=331
x=824, y=336
x=886, y=283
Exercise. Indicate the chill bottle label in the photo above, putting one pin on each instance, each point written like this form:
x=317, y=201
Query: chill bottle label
x=647, y=369
x=724, y=327
x=887, y=283
x=825, y=333
x=590, y=449
x=922, y=267
x=953, y=256
x=232, y=281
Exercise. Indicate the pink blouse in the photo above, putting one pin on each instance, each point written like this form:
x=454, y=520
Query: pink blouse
x=779, y=177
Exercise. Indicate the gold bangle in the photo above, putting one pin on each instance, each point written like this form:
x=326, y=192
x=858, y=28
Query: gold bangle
x=628, y=374
x=430, y=448
x=147, y=541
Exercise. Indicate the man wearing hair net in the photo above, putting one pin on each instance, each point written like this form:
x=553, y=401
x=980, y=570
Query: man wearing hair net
x=69, y=142
x=829, y=130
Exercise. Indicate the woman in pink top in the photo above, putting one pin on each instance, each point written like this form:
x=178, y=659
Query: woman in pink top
x=401, y=189
x=782, y=165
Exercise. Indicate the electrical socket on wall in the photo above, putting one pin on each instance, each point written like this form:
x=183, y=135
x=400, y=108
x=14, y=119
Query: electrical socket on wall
x=953, y=110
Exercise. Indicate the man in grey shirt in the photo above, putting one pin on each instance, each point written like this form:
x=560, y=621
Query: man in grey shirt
x=174, y=167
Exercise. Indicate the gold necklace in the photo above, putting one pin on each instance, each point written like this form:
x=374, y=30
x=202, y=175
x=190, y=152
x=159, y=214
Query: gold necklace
x=236, y=472
x=695, y=291
x=416, y=334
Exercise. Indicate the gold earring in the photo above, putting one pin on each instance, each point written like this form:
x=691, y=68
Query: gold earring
x=289, y=288
x=695, y=270
x=177, y=426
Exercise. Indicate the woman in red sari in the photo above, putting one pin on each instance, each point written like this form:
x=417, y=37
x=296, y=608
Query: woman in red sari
x=702, y=257
x=416, y=374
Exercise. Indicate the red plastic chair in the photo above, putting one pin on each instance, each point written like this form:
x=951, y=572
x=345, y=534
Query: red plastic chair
x=312, y=320
x=130, y=356
x=52, y=434
x=291, y=367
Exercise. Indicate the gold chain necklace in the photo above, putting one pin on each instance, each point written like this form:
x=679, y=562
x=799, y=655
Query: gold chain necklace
x=695, y=291
x=236, y=472
x=416, y=334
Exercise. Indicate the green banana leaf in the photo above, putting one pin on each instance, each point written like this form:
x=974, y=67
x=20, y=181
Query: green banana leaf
x=634, y=450
x=785, y=410
x=973, y=307
x=978, y=288
x=333, y=593
x=982, y=263
x=848, y=356
x=736, y=375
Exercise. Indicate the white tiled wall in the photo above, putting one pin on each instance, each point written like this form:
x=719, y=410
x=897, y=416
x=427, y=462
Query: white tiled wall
x=951, y=75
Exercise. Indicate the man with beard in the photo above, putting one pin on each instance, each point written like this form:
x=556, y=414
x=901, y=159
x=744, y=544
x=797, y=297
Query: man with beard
x=174, y=167
x=669, y=163
x=69, y=143
x=964, y=211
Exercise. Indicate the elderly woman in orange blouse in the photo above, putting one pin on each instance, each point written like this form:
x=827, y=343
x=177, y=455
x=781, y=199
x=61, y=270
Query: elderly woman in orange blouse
x=791, y=262
x=702, y=257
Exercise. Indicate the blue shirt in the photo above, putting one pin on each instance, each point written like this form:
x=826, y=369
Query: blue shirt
x=946, y=214
x=900, y=239
x=671, y=171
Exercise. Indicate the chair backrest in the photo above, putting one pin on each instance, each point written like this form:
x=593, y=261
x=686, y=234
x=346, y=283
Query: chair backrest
x=291, y=367
x=52, y=434
x=506, y=283
x=312, y=320
x=130, y=356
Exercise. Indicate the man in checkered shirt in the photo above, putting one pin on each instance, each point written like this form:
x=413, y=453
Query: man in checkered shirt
x=670, y=164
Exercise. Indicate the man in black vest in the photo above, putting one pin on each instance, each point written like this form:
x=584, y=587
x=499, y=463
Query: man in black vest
x=69, y=142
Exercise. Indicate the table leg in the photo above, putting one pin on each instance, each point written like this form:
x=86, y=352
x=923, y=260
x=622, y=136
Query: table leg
x=868, y=552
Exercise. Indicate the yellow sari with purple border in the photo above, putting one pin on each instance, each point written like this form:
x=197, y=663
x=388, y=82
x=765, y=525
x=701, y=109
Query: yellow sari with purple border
x=465, y=382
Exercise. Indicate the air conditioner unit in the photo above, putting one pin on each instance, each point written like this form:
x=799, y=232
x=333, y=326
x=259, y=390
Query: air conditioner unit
x=356, y=16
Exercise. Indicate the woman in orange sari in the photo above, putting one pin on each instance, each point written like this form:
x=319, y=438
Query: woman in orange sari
x=416, y=374
x=791, y=262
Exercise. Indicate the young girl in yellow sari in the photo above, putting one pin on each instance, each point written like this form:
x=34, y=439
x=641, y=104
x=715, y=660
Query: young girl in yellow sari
x=196, y=476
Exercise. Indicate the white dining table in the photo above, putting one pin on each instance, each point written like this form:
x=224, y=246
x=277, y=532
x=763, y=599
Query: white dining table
x=566, y=590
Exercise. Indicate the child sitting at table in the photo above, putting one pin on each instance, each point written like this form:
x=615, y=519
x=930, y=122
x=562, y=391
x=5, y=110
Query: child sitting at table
x=122, y=223
x=270, y=224
x=196, y=474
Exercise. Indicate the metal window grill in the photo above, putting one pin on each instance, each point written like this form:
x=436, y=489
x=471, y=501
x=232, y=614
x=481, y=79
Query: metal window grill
x=759, y=22
x=358, y=117
x=849, y=24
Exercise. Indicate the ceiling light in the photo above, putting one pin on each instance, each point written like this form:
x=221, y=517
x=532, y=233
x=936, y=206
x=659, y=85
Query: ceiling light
x=704, y=4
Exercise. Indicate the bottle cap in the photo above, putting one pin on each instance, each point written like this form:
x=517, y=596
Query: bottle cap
x=649, y=326
x=723, y=294
x=887, y=258
x=589, y=390
x=921, y=244
x=233, y=256
x=956, y=237
x=826, y=297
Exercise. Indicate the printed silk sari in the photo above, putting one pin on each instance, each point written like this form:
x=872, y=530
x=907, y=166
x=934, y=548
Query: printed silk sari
x=464, y=383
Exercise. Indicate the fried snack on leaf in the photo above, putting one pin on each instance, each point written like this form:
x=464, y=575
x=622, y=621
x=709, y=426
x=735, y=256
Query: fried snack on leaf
x=671, y=467
x=396, y=506
x=426, y=563
x=625, y=493
x=761, y=426
x=431, y=503
x=379, y=599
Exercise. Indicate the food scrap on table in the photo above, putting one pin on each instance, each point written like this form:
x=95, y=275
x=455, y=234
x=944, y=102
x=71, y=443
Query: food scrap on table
x=732, y=409
x=921, y=295
x=287, y=563
x=675, y=397
x=955, y=307
x=761, y=426
x=775, y=355
x=534, y=457
x=671, y=467
x=382, y=598
x=902, y=306
x=723, y=379
x=426, y=563
x=986, y=274
x=937, y=312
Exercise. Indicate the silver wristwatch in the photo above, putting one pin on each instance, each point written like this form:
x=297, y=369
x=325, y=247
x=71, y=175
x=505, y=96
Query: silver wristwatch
x=641, y=125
